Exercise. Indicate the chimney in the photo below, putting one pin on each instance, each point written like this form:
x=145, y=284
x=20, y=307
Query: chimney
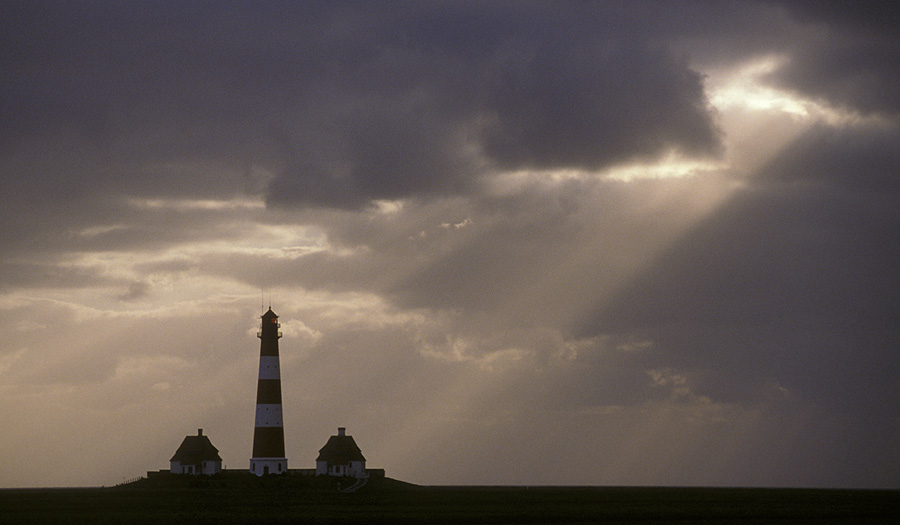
x=341, y=431
x=199, y=431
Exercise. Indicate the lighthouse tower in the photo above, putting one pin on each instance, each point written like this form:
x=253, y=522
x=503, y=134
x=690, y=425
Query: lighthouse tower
x=268, y=436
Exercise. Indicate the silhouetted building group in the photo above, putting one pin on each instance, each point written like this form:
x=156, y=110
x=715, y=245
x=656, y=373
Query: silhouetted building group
x=339, y=457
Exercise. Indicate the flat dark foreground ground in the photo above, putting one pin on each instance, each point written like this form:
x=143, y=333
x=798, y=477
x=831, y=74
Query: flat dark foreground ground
x=394, y=502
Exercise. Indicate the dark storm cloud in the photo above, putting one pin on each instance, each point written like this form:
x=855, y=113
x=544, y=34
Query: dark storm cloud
x=865, y=16
x=590, y=106
x=547, y=90
x=349, y=105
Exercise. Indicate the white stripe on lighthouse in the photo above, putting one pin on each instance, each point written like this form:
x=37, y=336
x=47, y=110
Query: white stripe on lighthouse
x=269, y=367
x=268, y=416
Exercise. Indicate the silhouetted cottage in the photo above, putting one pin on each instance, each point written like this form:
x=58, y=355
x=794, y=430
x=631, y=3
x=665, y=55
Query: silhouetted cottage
x=341, y=457
x=196, y=456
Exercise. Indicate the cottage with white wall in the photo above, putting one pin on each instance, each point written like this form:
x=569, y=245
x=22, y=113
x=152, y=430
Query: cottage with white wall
x=196, y=456
x=341, y=457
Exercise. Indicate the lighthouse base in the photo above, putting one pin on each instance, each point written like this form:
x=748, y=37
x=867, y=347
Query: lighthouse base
x=265, y=466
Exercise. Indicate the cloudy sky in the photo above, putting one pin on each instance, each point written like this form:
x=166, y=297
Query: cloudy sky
x=624, y=243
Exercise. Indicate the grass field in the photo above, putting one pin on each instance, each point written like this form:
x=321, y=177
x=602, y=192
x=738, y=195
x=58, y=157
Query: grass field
x=388, y=501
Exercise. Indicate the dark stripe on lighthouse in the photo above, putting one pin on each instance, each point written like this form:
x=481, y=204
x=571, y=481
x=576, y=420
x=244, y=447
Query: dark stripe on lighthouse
x=270, y=349
x=268, y=392
x=268, y=442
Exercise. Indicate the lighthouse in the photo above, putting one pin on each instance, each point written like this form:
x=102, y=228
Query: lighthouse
x=268, y=434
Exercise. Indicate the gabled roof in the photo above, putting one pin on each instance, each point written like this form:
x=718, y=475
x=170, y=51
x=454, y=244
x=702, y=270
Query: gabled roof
x=340, y=450
x=196, y=449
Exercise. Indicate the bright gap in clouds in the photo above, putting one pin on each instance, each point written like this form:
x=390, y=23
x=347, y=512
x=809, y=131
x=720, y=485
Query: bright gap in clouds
x=742, y=87
x=197, y=204
x=671, y=166
x=750, y=112
x=745, y=105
